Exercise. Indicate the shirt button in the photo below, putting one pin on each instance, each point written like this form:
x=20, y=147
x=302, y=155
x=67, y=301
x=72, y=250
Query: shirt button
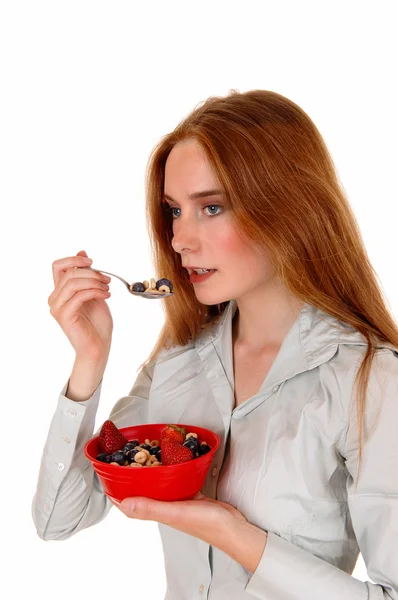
x=60, y=466
x=214, y=473
x=72, y=413
x=276, y=388
x=201, y=588
x=67, y=439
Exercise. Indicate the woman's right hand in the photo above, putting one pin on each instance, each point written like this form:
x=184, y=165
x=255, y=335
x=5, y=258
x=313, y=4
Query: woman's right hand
x=78, y=305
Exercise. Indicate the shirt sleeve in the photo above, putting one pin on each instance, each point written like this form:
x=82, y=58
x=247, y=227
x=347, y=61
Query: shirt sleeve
x=287, y=572
x=69, y=496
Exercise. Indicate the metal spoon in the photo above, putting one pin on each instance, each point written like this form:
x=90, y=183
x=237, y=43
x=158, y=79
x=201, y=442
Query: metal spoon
x=146, y=295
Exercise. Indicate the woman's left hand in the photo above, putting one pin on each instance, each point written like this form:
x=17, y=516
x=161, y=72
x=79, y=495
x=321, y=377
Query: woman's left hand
x=201, y=517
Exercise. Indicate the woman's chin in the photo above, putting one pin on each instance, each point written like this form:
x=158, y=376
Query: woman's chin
x=210, y=299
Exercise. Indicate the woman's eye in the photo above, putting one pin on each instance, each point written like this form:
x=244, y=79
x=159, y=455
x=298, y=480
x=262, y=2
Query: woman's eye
x=214, y=210
x=169, y=210
x=212, y=206
x=172, y=211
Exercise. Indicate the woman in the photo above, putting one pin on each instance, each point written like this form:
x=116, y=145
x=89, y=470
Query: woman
x=282, y=344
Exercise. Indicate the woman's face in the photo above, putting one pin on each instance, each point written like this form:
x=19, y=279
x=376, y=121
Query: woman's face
x=204, y=233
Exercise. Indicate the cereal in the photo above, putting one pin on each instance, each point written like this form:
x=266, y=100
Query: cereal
x=140, y=457
x=148, y=453
x=161, y=286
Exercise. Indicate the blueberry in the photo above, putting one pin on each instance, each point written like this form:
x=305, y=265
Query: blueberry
x=193, y=445
x=118, y=457
x=192, y=440
x=159, y=456
x=154, y=450
x=129, y=446
x=146, y=447
x=131, y=454
x=204, y=448
x=103, y=457
x=138, y=287
x=164, y=281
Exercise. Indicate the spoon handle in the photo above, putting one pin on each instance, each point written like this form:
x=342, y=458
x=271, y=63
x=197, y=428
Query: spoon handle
x=113, y=275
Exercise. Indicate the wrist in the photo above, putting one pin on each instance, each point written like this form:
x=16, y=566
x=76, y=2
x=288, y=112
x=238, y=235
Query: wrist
x=94, y=365
x=85, y=378
x=245, y=543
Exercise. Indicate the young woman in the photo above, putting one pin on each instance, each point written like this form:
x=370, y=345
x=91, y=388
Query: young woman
x=278, y=338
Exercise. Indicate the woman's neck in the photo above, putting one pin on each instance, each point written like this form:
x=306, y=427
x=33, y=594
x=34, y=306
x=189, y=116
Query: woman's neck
x=263, y=319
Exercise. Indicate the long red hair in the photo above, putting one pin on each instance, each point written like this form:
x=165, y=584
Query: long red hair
x=282, y=188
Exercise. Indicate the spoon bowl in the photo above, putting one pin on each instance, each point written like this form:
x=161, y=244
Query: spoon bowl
x=147, y=295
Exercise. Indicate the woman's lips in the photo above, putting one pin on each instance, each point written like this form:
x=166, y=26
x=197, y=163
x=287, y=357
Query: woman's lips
x=196, y=278
x=190, y=269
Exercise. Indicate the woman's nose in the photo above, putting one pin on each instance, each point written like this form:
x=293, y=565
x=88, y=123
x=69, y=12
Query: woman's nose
x=185, y=236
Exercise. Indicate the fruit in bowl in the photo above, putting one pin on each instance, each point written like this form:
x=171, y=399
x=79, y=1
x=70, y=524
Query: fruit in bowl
x=182, y=455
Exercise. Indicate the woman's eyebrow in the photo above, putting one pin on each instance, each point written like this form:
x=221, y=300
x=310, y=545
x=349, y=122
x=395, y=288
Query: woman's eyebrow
x=195, y=195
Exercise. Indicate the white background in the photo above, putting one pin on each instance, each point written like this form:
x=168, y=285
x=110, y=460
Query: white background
x=87, y=90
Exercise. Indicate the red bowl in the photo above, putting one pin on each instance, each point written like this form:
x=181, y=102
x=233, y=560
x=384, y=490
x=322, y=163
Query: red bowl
x=164, y=482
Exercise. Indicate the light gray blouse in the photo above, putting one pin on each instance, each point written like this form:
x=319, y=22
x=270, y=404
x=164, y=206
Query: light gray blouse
x=287, y=461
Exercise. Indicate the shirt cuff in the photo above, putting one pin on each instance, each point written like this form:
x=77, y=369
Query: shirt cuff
x=287, y=572
x=72, y=426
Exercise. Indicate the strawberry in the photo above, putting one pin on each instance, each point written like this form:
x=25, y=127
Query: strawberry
x=172, y=433
x=174, y=453
x=110, y=438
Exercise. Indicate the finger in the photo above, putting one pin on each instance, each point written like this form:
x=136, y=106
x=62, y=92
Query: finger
x=72, y=307
x=60, y=266
x=75, y=274
x=186, y=515
x=79, y=289
x=169, y=513
x=198, y=496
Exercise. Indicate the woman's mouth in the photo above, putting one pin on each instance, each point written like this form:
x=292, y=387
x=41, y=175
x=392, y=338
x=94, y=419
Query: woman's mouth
x=199, y=275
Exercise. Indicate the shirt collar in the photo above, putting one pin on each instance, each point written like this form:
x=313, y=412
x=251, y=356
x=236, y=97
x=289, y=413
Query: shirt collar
x=312, y=340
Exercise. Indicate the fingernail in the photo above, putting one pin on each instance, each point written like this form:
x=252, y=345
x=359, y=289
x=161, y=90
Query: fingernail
x=130, y=506
x=87, y=260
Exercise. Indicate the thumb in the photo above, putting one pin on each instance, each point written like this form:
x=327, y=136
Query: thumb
x=81, y=253
x=199, y=496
